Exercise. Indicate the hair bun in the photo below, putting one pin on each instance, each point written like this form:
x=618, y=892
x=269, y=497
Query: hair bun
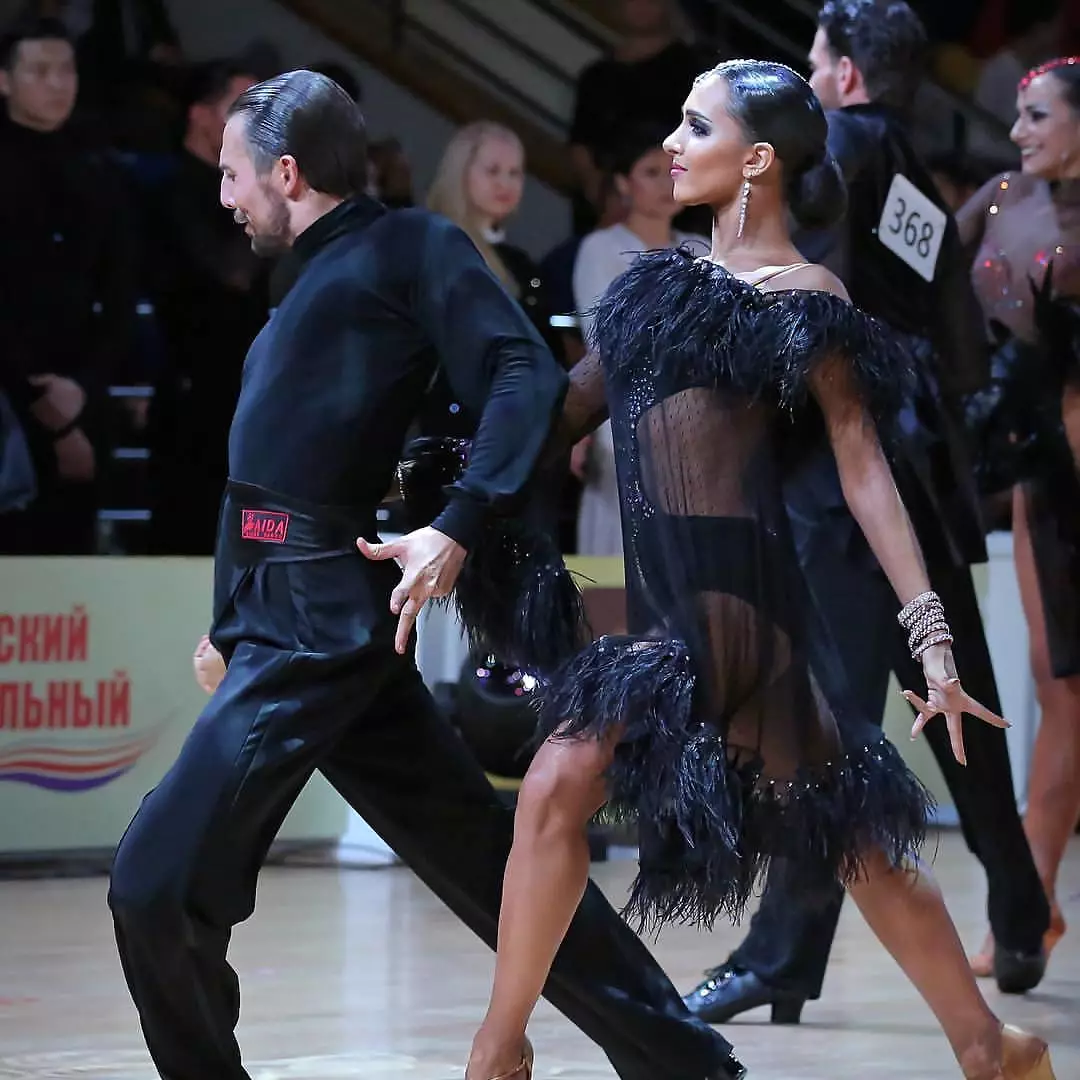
x=818, y=194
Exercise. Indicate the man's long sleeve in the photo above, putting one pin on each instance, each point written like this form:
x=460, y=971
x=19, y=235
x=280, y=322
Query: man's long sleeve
x=498, y=366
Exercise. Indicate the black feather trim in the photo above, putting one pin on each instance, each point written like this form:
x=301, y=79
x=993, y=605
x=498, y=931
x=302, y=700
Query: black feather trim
x=429, y=466
x=688, y=319
x=517, y=600
x=514, y=595
x=709, y=822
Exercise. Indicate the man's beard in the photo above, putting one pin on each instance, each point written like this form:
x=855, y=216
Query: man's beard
x=273, y=239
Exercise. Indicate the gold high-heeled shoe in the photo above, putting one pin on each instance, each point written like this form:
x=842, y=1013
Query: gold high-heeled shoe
x=524, y=1070
x=1012, y=1046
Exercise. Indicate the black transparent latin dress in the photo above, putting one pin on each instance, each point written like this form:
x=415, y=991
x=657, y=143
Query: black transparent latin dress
x=727, y=750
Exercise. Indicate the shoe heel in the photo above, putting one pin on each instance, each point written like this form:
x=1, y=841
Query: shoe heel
x=1011, y=1039
x=787, y=1011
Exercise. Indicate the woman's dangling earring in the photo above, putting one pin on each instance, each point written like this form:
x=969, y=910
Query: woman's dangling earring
x=744, y=202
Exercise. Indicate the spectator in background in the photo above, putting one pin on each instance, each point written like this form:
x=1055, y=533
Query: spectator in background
x=67, y=286
x=210, y=294
x=391, y=174
x=120, y=46
x=646, y=79
x=641, y=172
x=478, y=185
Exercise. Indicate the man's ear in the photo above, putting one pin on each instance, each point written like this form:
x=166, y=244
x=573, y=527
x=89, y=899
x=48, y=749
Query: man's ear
x=292, y=182
x=848, y=76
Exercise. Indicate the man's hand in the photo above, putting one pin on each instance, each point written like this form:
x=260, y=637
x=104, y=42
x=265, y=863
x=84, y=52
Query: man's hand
x=61, y=403
x=75, y=457
x=209, y=665
x=430, y=563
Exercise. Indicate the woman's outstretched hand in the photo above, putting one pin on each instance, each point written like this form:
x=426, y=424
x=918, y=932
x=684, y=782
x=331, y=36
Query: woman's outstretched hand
x=944, y=694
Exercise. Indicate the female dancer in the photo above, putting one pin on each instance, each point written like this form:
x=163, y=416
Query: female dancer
x=1026, y=226
x=711, y=723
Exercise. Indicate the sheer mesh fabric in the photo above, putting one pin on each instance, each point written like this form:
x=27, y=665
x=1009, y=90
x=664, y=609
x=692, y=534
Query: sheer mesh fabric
x=709, y=551
x=727, y=750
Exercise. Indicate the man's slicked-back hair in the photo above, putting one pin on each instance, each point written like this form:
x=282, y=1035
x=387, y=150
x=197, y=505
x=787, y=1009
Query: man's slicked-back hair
x=885, y=40
x=309, y=117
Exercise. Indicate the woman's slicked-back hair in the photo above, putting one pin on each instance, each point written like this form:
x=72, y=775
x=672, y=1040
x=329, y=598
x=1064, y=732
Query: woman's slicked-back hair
x=775, y=105
x=309, y=117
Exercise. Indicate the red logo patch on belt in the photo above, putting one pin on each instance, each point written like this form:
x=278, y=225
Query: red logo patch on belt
x=266, y=526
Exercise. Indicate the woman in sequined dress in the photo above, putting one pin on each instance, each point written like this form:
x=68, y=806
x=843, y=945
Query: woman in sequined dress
x=1025, y=230
x=722, y=721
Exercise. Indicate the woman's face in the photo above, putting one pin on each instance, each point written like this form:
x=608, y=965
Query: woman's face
x=647, y=188
x=496, y=178
x=1047, y=131
x=708, y=149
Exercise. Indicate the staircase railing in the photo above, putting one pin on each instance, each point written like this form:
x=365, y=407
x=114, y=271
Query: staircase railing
x=515, y=61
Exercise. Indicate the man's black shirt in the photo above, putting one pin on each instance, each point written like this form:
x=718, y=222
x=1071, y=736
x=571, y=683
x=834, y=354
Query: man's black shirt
x=378, y=299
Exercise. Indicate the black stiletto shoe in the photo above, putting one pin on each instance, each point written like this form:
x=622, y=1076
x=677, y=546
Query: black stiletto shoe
x=726, y=992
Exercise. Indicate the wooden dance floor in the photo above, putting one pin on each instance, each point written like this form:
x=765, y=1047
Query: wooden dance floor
x=363, y=974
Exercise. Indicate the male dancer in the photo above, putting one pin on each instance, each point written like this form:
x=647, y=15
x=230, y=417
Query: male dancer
x=319, y=676
x=899, y=255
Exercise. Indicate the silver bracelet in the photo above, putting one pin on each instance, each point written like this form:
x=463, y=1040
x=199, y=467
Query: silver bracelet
x=940, y=638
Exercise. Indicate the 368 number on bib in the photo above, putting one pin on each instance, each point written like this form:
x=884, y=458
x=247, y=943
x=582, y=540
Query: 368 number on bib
x=912, y=227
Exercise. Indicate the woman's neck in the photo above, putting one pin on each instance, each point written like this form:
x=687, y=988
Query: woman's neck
x=765, y=239
x=655, y=232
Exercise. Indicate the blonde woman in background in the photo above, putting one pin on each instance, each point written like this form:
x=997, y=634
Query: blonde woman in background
x=478, y=185
x=641, y=170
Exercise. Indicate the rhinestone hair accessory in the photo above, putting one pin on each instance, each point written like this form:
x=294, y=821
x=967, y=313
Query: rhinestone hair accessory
x=1043, y=69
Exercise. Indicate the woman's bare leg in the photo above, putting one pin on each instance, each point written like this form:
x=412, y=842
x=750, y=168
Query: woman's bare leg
x=1053, y=796
x=545, y=879
x=1053, y=790
x=905, y=909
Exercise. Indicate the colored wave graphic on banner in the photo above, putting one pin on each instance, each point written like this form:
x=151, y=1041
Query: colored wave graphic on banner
x=72, y=768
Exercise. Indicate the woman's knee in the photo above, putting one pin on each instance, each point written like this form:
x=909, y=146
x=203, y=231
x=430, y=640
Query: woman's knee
x=564, y=786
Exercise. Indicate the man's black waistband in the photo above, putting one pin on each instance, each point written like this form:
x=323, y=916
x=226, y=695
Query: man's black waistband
x=259, y=525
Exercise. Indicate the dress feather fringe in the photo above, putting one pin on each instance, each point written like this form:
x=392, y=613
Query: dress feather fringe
x=717, y=328
x=517, y=600
x=514, y=595
x=709, y=822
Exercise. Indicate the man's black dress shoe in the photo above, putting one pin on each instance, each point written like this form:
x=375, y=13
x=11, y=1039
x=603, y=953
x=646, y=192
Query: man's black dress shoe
x=1018, y=972
x=728, y=1068
x=732, y=1069
x=726, y=992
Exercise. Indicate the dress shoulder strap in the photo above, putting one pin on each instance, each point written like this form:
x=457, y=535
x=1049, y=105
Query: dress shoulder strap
x=776, y=273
